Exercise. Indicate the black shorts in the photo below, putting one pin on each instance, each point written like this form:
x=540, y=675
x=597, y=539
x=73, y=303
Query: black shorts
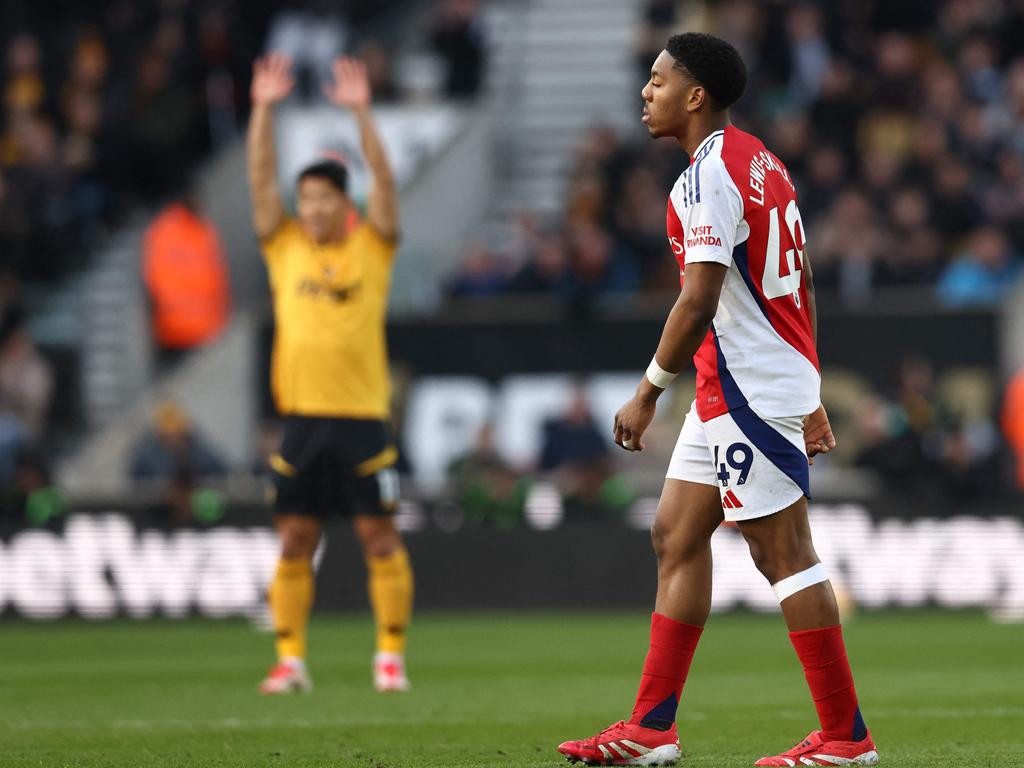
x=332, y=466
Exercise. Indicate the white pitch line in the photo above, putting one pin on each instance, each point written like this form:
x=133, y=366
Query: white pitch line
x=915, y=714
x=237, y=723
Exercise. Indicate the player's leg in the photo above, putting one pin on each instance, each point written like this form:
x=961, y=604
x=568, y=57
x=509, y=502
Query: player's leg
x=688, y=513
x=781, y=547
x=291, y=592
x=763, y=469
x=292, y=586
x=389, y=572
x=390, y=587
x=783, y=552
x=291, y=600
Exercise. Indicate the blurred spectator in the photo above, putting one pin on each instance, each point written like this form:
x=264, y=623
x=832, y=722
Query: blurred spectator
x=26, y=377
x=977, y=61
x=25, y=90
x=312, y=38
x=216, y=46
x=379, y=70
x=1004, y=201
x=576, y=451
x=918, y=257
x=981, y=274
x=185, y=274
x=596, y=264
x=172, y=458
x=894, y=433
x=32, y=492
x=160, y=132
x=657, y=23
x=458, y=38
x=482, y=274
x=890, y=449
x=638, y=222
x=967, y=468
x=809, y=51
x=896, y=65
x=36, y=184
x=83, y=156
x=547, y=272
x=26, y=389
x=928, y=447
x=170, y=446
x=846, y=245
x=573, y=439
x=489, y=491
x=956, y=207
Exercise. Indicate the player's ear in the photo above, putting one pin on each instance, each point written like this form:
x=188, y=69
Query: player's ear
x=695, y=98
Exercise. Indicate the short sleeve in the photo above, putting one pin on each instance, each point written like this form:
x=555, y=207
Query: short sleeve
x=381, y=249
x=275, y=247
x=710, y=210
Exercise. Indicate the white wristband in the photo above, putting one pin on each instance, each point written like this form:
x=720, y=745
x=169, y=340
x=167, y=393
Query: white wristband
x=658, y=376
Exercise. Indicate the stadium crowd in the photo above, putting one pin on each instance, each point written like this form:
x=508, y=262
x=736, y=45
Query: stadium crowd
x=110, y=105
x=899, y=121
x=105, y=112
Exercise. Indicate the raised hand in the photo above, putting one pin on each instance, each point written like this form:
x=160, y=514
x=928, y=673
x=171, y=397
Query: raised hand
x=818, y=437
x=272, y=79
x=351, y=86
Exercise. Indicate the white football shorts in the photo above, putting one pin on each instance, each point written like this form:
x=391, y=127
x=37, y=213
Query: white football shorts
x=759, y=464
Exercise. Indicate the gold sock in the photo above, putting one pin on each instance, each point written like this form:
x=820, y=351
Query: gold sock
x=291, y=598
x=390, y=584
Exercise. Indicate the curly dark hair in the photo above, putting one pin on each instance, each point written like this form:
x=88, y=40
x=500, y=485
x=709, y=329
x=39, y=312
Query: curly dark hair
x=713, y=63
x=329, y=170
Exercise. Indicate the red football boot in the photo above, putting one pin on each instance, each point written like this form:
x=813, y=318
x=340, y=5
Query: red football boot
x=389, y=672
x=814, y=750
x=287, y=676
x=625, y=744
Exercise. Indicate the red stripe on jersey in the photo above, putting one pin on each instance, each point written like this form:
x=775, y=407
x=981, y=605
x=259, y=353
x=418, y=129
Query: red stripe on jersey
x=772, y=191
x=676, y=237
x=710, y=398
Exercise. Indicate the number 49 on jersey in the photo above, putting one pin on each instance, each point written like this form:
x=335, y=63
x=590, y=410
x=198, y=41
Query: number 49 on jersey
x=782, y=276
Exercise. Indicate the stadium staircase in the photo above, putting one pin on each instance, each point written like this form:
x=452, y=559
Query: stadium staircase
x=552, y=85
x=115, y=345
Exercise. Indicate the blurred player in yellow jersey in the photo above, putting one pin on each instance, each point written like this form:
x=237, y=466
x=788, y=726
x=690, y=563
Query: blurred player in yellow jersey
x=329, y=278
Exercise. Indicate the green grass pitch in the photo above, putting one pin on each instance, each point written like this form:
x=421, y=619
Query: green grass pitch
x=490, y=690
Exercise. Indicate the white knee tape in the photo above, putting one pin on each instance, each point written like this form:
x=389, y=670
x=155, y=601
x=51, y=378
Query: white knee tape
x=793, y=584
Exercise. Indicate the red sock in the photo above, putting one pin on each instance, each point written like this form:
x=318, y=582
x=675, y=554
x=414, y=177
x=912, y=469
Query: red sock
x=823, y=656
x=668, y=661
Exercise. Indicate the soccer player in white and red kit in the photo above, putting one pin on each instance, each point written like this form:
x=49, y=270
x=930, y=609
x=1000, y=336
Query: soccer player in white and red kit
x=746, y=316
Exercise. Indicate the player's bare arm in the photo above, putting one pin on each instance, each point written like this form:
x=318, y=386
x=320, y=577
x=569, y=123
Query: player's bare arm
x=818, y=437
x=272, y=81
x=351, y=89
x=684, y=330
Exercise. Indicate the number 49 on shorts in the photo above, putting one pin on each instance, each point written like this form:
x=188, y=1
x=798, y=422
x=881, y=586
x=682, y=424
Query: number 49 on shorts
x=740, y=457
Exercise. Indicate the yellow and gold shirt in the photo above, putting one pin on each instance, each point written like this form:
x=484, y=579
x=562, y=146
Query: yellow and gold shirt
x=330, y=352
